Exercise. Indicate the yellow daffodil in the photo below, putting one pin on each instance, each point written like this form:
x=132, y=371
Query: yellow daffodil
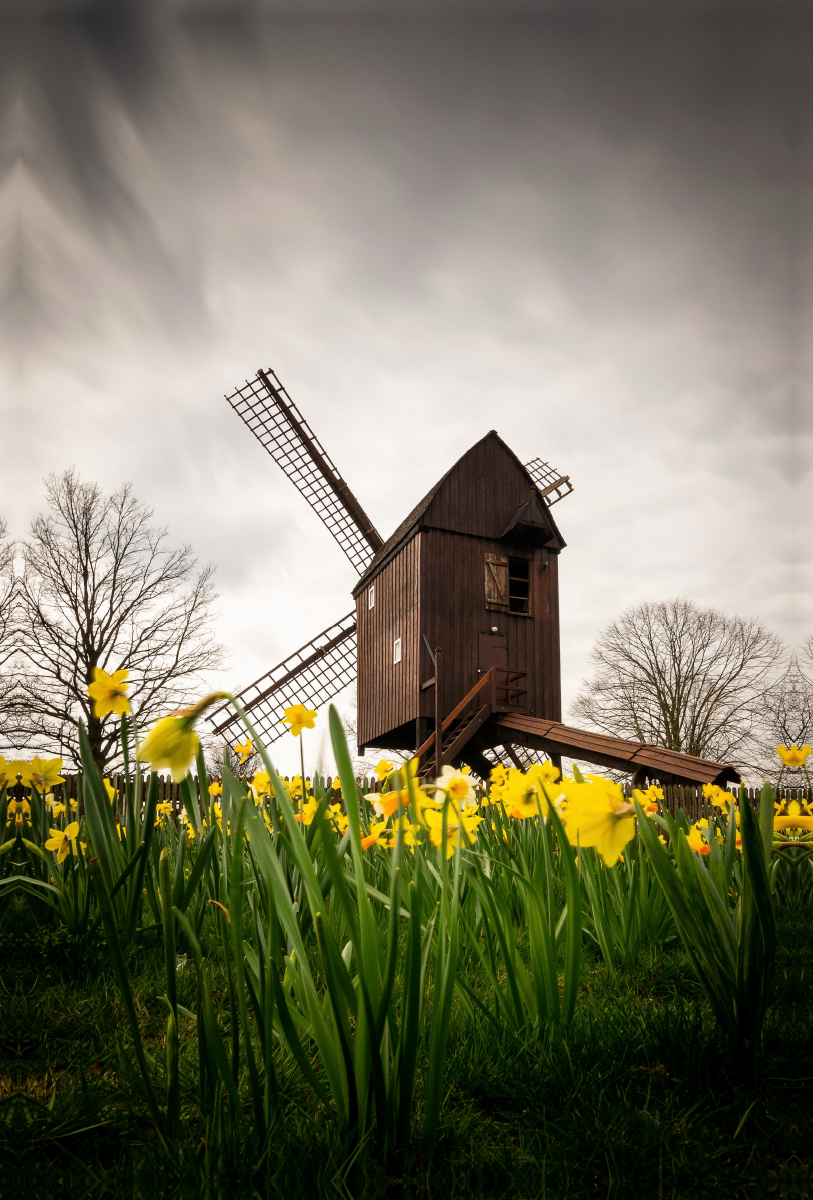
x=112, y=794
x=383, y=767
x=337, y=785
x=376, y=831
x=244, y=749
x=460, y=829
x=650, y=799
x=57, y=810
x=528, y=795
x=215, y=789
x=299, y=718
x=63, y=840
x=40, y=773
x=164, y=808
x=794, y=818
x=597, y=813
x=794, y=756
x=308, y=812
x=542, y=773
x=339, y=819
x=295, y=787
x=457, y=787
x=8, y=772
x=696, y=840
x=408, y=833
x=386, y=803
x=170, y=745
x=261, y=781
x=109, y=693
x=720, y=797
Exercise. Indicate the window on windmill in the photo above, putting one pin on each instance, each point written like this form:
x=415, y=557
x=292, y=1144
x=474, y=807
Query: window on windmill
x=396, y=651
x=371, y=596
x=519, y=586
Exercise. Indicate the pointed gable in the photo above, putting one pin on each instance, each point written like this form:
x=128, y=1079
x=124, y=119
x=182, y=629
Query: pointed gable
x=487, y=493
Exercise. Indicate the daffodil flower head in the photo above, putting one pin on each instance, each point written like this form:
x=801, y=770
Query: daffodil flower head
x=597, y=813
x=261, y=781
x=383, y=767
x=215, y=788
x=457, y=787
x=720, y=797
x=244, y=749
x=111, y=791
x=387, y=803
x=461, y=828
x=794, y=756
x=697, y=841
x=109, y=693
x=8, y=772
x=170, y=745
x=40, y=773
x=298, y=718
x=63, y=840
x=308, y=812
x=376, y=831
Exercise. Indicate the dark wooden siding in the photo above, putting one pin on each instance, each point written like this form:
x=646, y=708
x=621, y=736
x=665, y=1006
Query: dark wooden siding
x=481, y=494
x=388, y=691
x=453, y=614
x=548, y=671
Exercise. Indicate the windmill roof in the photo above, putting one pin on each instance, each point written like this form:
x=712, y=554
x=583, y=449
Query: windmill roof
x=402, y=534
x=410, y=525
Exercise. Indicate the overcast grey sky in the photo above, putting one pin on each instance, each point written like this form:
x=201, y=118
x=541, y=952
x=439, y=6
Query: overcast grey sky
x=590, y=234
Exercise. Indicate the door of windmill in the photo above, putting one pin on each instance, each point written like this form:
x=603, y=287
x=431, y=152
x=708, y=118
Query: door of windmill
x=493, y=653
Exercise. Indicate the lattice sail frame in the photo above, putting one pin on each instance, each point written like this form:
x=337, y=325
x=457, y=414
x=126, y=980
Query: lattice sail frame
x=267, y=409
x=315, y=673
x=553, y=487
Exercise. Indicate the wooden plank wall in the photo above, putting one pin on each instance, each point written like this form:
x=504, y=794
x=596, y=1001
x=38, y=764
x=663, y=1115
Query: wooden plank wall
x=481, y=494
x=388, y=691
x=547, y=663
x=453, y=614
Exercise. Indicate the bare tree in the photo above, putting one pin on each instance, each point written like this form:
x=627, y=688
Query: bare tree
x=788, y=710
x=7, y=641
x=100, y=588
x=683, y=677
x=7, y=592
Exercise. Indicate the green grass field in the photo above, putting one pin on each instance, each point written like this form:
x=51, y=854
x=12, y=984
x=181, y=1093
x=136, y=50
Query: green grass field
x=641, y=1098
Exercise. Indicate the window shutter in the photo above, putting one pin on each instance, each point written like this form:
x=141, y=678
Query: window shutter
x=497, y=582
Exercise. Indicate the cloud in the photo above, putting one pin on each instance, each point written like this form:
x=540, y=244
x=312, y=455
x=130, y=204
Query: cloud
x=586, y=235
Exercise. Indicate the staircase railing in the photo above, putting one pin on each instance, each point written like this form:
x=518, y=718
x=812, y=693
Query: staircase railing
x=486, y=682
x=506, y=696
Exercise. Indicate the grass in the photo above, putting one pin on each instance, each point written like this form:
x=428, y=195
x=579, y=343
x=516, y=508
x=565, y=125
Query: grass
x=641, y=1099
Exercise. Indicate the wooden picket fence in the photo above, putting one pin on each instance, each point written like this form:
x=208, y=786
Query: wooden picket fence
x=690, y=799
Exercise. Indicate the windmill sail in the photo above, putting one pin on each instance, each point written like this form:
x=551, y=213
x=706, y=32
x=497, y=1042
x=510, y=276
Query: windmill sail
x=275, y=421
x=553, y=487
x=312, y=676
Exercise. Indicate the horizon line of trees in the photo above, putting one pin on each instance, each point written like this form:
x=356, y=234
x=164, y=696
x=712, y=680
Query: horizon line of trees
x=95, y=584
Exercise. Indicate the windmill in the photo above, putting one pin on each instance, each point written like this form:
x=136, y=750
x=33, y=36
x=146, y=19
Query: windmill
x=454, y=638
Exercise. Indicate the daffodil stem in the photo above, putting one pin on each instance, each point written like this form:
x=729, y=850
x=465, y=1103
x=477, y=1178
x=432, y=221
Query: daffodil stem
x=302, y=775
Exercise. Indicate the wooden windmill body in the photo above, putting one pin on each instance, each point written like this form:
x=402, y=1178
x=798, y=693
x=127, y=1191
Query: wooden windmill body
x=454, y=639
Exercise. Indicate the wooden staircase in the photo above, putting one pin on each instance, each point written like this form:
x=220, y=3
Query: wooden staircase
x=498, y=691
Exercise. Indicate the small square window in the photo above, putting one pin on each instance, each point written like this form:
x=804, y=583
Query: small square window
x=519, y=586
x=396, y=651
x=371, y=596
